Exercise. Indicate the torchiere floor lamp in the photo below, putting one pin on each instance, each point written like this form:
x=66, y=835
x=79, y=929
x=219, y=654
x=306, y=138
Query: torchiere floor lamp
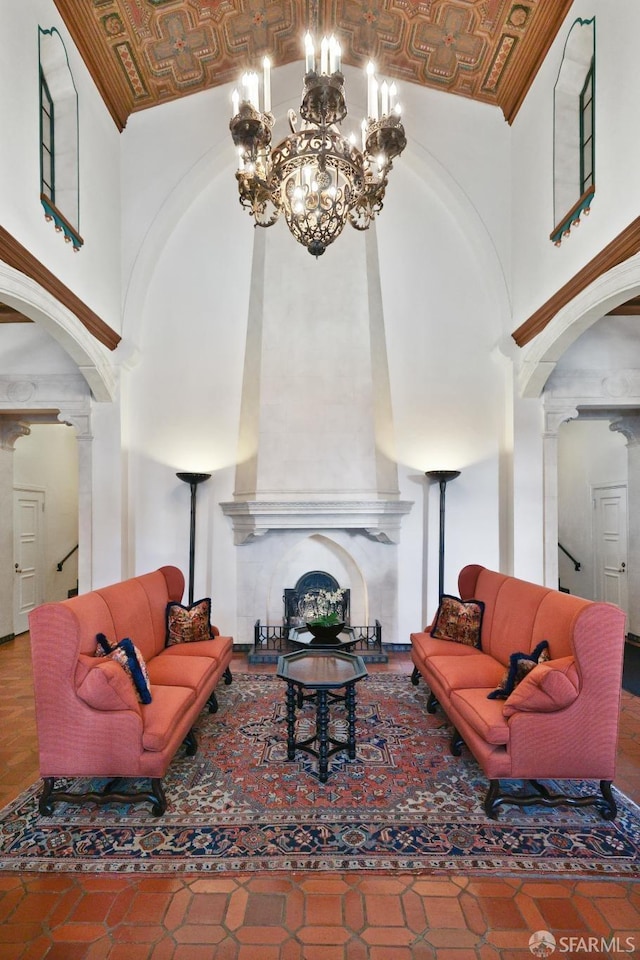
x=443, y=477
x=193, y=479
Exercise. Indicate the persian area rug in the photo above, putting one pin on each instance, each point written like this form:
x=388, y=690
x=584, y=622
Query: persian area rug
x=404, y=804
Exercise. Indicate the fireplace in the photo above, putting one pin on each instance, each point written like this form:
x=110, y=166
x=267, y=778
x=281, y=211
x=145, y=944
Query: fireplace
x=296, y=606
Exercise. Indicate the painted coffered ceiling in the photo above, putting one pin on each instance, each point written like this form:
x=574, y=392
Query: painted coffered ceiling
x=145, y=52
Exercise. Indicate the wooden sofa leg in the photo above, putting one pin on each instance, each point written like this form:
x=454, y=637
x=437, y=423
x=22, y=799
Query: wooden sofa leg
x=228, y=677
x=605, y=804
x=191, y=743
x=415, y=676
x=159, y=807
x=432, y=703
x=457, y=743
x=45, y=803
x=111, y=793
x=213, y=702
x=607, y=807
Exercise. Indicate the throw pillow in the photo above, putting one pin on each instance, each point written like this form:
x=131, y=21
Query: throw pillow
x=188, y=624
x=131, y=660
x=519, y=666
x=549, y=687
x=459, y=620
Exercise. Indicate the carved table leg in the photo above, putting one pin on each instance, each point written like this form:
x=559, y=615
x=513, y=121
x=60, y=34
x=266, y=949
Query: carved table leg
x=350, y=700
x=322, y=714
x=291, y=720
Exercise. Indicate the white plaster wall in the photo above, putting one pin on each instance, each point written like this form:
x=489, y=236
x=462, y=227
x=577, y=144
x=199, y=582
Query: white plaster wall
x=589, y=454
x=93, y=273
x=540, y=268
x=48, y=459
x=187, y=257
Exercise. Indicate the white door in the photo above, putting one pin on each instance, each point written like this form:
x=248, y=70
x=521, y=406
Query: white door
x=610, y=540
x=28, y=554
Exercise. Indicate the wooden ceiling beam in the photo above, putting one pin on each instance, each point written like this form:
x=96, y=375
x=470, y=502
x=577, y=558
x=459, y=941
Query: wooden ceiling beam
x=15, y=255
x=625, y=245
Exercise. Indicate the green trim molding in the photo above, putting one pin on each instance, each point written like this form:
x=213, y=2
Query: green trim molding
x=62, y=226
x=572, y=219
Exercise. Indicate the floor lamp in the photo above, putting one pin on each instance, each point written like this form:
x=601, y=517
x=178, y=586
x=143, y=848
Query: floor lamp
x=443, y=477
x=193, y=479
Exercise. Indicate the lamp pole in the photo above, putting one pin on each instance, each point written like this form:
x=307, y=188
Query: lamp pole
x=193, y=479
x=443, y=477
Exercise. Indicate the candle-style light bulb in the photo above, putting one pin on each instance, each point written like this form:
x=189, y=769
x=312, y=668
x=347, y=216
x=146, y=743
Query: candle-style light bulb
x=309, y=53
x=384, y=98
x=370, y=82
x=235, y=103
x=266, y=66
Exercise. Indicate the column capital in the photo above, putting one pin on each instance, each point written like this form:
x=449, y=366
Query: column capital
x=10, y=431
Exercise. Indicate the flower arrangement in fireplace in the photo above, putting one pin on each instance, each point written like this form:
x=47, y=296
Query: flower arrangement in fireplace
x=324, y=607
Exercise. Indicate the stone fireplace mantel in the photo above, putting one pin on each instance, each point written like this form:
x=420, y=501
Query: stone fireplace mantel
x=377, y=519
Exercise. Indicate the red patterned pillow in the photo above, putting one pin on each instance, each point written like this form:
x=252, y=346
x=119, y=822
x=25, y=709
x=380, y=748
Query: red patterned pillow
x=188, y=624
x=459, y=620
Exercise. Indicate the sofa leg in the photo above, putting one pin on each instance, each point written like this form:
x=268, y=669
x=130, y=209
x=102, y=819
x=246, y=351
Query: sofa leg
x=109, y=794
x=415, y=676
x=191, y=743
x=45, y=804
x=228, y=677
x=457, y=743
x=492, y=800
x=432, y=703
x=213, y=702
x=540, y=795
x=159, y=807
x=607, y=805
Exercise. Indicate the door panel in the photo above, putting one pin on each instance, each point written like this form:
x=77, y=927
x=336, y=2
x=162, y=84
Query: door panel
x=610, y=538
x=28, y=507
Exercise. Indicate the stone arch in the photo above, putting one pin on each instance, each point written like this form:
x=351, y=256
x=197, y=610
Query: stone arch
x=539, y=358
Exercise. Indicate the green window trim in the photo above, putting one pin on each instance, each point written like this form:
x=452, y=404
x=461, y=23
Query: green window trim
x=47, y=144
x=62, y=226
x=581, y=208
x=587, y=130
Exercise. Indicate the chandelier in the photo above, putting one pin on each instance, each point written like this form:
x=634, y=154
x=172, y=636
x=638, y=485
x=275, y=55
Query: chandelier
x=317, y=177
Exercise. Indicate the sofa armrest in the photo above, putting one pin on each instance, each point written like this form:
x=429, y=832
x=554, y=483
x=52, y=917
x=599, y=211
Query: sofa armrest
x=106, y=686
x=550, y=686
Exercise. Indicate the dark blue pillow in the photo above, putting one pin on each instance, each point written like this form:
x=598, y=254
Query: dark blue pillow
x=519, y=666
x=131, y=660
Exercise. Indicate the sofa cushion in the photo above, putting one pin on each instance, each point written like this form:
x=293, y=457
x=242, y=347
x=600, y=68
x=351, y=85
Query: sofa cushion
x=216, y=648
x=483, y=715
x=548, y=687
x=106, y=686
x=426, y=646
x=130, y=659
x=188, y=624
x=460, y=673
x=161, y=717
x=519, y=666
x=459, y=620
x=193, y=672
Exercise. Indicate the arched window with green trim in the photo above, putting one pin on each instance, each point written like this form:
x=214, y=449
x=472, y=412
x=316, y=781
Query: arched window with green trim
x=574, y=130
x=59, y=138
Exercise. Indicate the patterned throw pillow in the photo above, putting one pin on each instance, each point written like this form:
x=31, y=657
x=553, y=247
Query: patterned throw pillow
x=131, y=660
x=459, y=620
x=520, y=664
x=188, y=624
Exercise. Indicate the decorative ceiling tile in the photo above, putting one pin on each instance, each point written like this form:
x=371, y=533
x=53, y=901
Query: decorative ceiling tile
x=143, y=52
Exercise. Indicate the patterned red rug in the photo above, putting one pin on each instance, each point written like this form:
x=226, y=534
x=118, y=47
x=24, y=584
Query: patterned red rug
x=403, y=804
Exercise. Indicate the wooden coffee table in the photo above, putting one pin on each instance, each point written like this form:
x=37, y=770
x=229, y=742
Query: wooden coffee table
x=321, y=672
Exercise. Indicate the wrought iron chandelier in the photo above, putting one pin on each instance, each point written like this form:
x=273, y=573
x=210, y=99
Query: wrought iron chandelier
x=317, y=177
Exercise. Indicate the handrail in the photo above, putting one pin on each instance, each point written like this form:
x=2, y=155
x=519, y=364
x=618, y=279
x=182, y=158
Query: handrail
x=576, y=563
x=64, y=559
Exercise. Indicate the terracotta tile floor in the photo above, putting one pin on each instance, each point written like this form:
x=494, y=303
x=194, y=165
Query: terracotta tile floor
x=299, y=916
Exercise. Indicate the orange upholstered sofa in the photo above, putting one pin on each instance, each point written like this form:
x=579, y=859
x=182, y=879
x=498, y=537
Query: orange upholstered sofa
x=561, y=721
x=90, y=719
